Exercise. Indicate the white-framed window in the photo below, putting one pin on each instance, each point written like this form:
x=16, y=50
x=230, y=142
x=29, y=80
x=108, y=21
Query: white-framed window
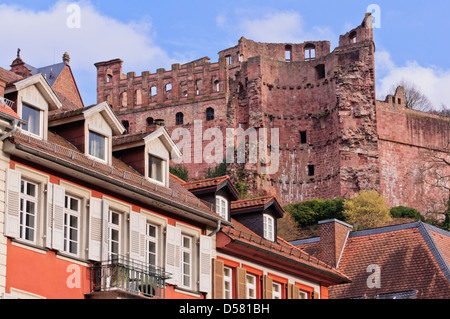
x=227, y=283
x=186, y=261
x=269, y=224
x=156, y=166
x=33, y=117
x=276, y=290
x=251, y=286
x=28, y=210
x=302, y=294
x=114, y=233
x=222, y=207
x=97, y=145
x=152, y=253
x=72, y=217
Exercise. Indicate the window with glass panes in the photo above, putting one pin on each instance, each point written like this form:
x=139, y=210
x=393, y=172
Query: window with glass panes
x=251, y=286
x=227, y=283
x=186, y=255
x=276, y=290
x=33, y=118
x=28, y=210
x=114, y=225
x=222, y=207
x=72, y=225
x=97, y=145
x=152, y=244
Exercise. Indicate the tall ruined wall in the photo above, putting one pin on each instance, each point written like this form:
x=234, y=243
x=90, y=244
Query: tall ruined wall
x=411, y=144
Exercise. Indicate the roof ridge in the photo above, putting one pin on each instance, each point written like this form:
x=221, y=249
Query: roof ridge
x=434, y=248
x=382, y=230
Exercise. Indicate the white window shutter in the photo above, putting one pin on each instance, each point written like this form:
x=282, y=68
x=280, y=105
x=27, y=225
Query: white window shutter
x=173, y=254
x=142, y=233
x=95, y=229
x=205, y=264
x=59, y=194
x=12, y=203
x=137, y=231
x=105, y=232
x=49, y=217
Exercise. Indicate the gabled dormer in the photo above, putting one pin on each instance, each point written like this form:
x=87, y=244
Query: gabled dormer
x=219, y=191
x=149, y=153
x=33, y=99
x=260, y=215
x=90, y=129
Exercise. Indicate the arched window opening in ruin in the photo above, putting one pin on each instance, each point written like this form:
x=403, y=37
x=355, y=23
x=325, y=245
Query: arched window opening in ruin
x=198, y=85
x=126, y=124
x=108, y=78
x=123, y=99
x=320, y=71
x=138, y=97
x=108, y=99
x=179, y=118
x=150, y=122
x=217, y=85
x=228, y=59
x=310, y=52
x=168, y=87
x=288, y=53
x=352, y=37
x=209, y=114
x=153, y=91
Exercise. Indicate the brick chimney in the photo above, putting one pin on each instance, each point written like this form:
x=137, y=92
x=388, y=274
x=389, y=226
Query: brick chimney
x=333, y=236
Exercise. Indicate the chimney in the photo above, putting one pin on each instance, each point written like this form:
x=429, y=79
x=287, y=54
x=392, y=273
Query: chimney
x=333, y=236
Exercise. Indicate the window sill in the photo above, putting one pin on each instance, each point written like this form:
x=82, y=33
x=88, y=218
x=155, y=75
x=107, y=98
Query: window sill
x=27, y=245
x=189, y=291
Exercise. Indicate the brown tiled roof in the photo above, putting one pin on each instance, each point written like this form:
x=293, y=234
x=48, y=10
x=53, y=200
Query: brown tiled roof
x=67, y=105
x=9, y=77
x=281, y=248
x=129, y=138
x=413, y=260
x=205, y=183
x=58, y=148
x=211, y=183
x=7, y=110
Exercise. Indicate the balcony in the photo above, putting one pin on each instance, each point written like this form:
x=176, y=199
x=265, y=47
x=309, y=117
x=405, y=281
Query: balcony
x=6, y=102
x=124, y=277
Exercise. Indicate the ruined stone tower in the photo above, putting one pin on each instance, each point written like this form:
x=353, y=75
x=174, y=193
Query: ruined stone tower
x=322, y=102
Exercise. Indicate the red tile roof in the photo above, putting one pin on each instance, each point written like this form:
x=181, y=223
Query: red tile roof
x=211, y=183
x=9, y=77
x=413, y=260
x=280, y=249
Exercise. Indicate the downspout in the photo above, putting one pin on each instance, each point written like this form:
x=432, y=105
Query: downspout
x=219, y=225
x=15, y=126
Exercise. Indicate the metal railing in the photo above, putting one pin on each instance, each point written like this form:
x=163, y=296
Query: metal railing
x=123, y=274
x=6, y=102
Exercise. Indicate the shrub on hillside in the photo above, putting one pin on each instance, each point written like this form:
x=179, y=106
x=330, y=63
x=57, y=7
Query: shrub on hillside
x=367, y=210
x=406, y=212
x=312, y=211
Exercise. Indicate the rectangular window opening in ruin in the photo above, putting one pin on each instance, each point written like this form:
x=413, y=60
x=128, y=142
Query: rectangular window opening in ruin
x=303, y=139
x=310, y=170
x=288, y=53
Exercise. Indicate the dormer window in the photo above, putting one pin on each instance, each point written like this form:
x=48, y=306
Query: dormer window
x=33, y=117
x=156, y=168
x=222, y=207
x=269, y=224
x=97, y=145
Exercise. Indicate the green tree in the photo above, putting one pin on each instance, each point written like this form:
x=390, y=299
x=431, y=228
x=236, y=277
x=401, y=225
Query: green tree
x=367, y=210
x=180, y=172
x=310, y=212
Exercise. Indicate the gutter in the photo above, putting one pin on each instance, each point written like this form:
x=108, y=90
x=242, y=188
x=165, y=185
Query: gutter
x=16, y=122
x=219, y=226
x=27, y=149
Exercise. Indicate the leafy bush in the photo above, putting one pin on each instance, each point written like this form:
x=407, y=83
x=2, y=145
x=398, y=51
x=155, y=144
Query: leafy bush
x=311, y=212
x=180, y=172
x=367, y=210
x=220, y=170
x=406, y=212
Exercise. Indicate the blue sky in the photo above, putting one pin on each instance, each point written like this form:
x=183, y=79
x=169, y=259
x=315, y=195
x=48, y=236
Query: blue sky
x=412, y=41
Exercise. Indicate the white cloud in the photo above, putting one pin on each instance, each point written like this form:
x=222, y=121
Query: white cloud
x=431, y=81
x=277, y=27
x=44, y=36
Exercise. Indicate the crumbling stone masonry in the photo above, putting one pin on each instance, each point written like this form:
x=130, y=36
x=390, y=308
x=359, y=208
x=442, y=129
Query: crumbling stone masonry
x=335, y=137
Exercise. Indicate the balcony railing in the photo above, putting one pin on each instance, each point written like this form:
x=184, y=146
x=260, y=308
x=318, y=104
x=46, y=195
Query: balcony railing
x=126, y=275
x=6, y=102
